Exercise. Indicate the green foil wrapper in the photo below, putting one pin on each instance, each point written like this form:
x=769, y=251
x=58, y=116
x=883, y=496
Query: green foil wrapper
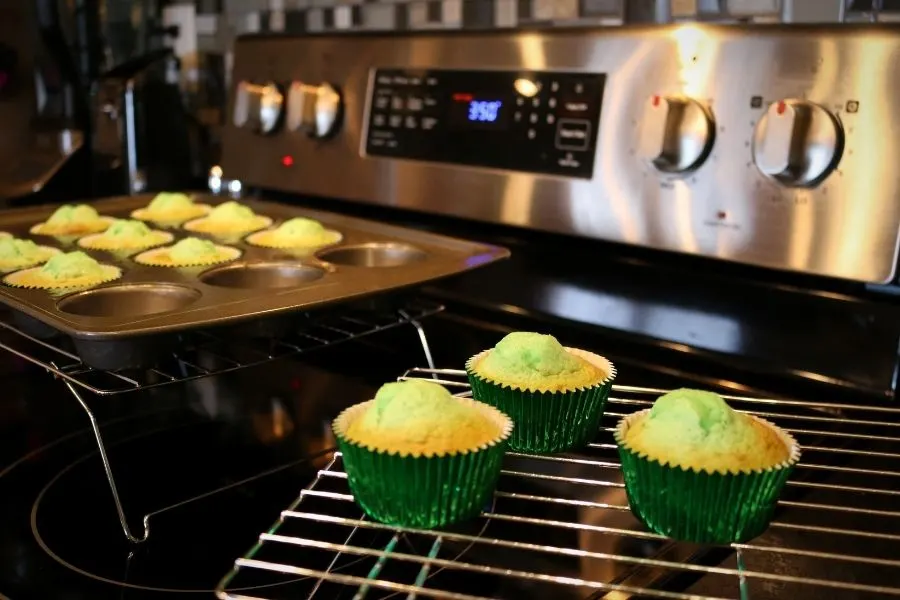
x=699, y=506
x=548, y=421
x=422, y=491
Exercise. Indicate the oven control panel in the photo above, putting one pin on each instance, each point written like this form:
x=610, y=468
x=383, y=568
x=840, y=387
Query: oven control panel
x=758, y=145
x=538, y=122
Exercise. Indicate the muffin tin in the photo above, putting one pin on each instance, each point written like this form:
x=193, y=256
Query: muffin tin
x=128, y=322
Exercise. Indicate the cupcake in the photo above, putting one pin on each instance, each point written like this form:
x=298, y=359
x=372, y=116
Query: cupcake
x=416, y=456
x=72, y=220
x=298, y=232
x=697, y=470
x=69, y=270
x=171, y=207
x=189, y=252
x=555, y=395
x=125, y=234
x=230, y=218
x=20, y=254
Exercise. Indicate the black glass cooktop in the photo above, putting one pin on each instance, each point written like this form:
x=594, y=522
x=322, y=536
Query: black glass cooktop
x=212, y=461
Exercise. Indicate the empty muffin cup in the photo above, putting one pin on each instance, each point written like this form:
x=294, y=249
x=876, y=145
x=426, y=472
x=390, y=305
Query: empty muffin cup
x=262, y=275
x=376, y=254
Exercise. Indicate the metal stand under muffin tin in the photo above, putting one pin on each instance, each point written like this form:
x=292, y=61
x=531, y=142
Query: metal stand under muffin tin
x=203, y=353
x=849, y=522
x=115, y=325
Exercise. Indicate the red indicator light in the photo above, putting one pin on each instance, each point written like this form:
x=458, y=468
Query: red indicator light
x=780, y=108
x=655, y=100
x=287, y=160
x=462, y=97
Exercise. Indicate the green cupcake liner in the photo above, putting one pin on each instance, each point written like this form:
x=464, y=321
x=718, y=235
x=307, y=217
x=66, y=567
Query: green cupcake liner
x=551, y=421
x=699, y=506
x=422, y=491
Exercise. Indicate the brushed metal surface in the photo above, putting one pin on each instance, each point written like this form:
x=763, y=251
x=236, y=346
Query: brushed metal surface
x=261, y=283
x=845, y=227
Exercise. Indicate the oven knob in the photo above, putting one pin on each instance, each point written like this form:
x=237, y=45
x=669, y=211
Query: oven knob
x=314, y=109
x=258, y=107
x=676, y=133
x=797, y=143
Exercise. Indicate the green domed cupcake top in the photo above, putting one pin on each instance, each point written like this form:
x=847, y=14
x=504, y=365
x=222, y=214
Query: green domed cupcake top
x=128, y=228
x=231, y=211
x=73, y=213
x=537, y=361
x=300, y=227
x=170, y=202
x=72, y=265
x=13, y=249
x=697, y=429
x=192, y=248
x=421, y=418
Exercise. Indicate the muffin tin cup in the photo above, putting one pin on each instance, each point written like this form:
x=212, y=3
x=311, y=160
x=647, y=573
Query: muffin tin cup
x=422, y=491
x=699, y=506
x=547, y=421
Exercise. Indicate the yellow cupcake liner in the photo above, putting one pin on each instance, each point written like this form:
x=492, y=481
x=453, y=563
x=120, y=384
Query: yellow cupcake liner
x=46, y=253
x=271, y=239
x=204, y=225
x=547, y=420
x=101, y=224
x=34, y=279
x=171, y=218
x=159, y=257
x=698, y=505
x=100, y=241
x=421, y=490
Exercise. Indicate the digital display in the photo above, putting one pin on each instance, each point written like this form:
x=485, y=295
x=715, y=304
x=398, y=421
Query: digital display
x=484, y=111
x=477, y=111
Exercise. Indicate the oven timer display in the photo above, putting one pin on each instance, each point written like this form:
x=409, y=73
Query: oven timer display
x=476, y=111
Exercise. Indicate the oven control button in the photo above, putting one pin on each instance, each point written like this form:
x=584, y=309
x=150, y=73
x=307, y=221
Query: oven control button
x=676, y=133
x=258, y=106
x=315, y=110
x=797, y=143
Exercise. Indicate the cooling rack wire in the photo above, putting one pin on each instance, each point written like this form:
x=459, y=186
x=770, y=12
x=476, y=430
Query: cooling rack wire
x=559, y=527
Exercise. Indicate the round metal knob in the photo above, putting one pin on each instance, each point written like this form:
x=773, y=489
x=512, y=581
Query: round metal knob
x=797, y=143
x=258, y=107
x=315, y=110
x=676, y=133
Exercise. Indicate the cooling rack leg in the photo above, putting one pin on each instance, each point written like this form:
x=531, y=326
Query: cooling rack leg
x=109, y=474
x=423, y=339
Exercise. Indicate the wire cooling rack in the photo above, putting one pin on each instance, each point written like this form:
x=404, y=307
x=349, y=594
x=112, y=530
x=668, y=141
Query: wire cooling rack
x=204, y=353
x=559, y=527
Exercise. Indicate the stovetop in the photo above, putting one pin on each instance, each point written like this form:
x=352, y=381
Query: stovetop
x=214, y=461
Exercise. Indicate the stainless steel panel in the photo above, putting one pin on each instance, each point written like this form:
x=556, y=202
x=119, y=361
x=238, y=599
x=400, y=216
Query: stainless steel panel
x=846, y=226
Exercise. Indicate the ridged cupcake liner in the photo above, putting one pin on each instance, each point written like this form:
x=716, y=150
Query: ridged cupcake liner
x=99, y=241
x=267, y=239
x=170, y=220
x=159, y=257
x=547, y=421
x=31, y=279
x=201, y=225
x=47, y=252
x=700, y=506
x=419, y=490
x=102, y=224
